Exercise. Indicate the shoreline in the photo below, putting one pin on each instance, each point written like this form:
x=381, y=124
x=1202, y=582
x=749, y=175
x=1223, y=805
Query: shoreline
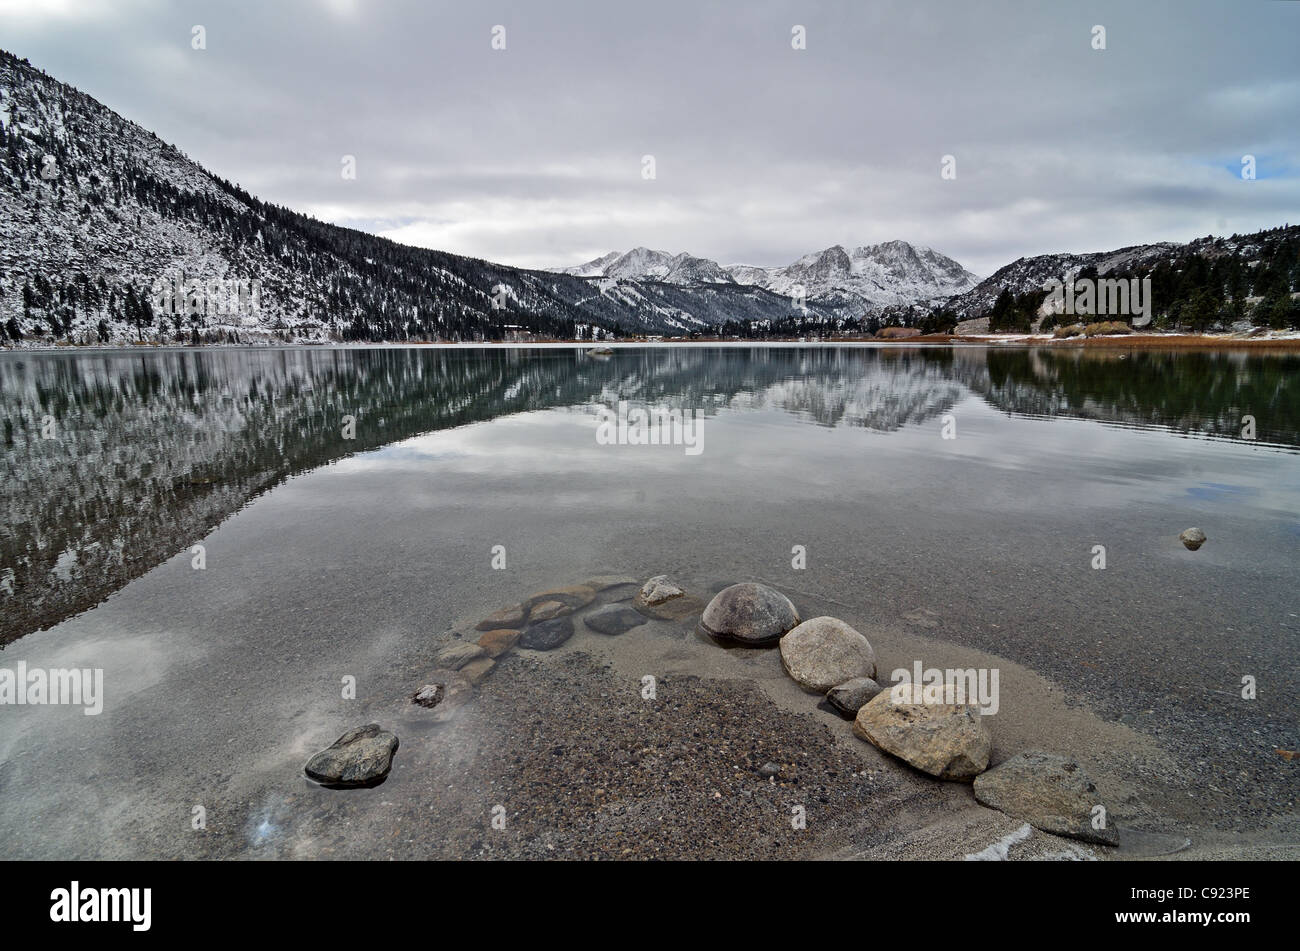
x=1285, y=344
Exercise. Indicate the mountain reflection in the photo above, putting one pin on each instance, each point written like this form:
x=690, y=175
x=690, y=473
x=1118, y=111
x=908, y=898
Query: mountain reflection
x=115, y=462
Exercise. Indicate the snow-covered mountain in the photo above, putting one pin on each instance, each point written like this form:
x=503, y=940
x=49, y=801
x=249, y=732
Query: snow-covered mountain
x=865, y=278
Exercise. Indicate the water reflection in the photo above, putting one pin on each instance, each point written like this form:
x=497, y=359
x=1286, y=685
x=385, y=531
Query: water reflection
x=114, y=462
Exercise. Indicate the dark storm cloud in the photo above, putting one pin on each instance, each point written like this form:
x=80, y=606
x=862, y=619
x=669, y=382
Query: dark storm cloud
x=532, y=155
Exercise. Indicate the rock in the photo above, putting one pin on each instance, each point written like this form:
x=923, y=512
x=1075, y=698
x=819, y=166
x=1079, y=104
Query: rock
x=548, y=610
x=547, y=635
x=1192, y=538
x=824, y=651
x=848, y=698
x=748, y=613
x=512, y=617
x=430, y=695
x=603, y=582
x=476, y=670
x=769, y=769
x=457, y=655
x=614, y=619
x=360, y=757
x=496, y=643
x=1049, y=792
x=657, y=590
x=446, y=689
x=947, y=740
x=575, y=596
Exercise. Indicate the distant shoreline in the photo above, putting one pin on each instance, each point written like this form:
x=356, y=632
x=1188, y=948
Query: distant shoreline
x=1287, y=344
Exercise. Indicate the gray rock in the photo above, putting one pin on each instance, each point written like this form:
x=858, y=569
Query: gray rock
x=1050, y=792
x=947, y=740
x=852, y=696
x=618, y=593
x=1192, y=538
x=547, y=635
x=614, y=619
x=360, y=757
x=458, y=655
x=824, y=651
x=430, y=695
x=748, y=613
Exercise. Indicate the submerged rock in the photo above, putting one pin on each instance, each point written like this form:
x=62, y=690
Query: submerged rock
x=360, y=757
x=604, y=582
x=1050, y=792
x=850, y=697
x=748, y=613
x=457, y=655
x=547, y=610
x=547, y=635
x=446, y=689
x=511, y=617
x=614, y=619
x=947, y=740
x=1192, y=538
x=496, y=643
x=657, y=591
x=824, y=651
x=476, y=670
x=575, y=596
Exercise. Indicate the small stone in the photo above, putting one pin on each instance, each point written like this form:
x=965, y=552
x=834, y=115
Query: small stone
x=457, y=655
x=850, y=697
x=496, y=643
x=750, y=614
x=360, y=757
x=946, y=740
x=769, y=769
x=547, y=635
x=430, y=695
x=1049, y=792
x=824, y=651
x=548, y=610
x=512, y=617
x=657, y=590
x=1192, y=539
x=614, y=619
x=478, y=669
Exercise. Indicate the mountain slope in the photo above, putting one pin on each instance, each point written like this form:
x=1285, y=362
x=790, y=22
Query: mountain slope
x=97, y=215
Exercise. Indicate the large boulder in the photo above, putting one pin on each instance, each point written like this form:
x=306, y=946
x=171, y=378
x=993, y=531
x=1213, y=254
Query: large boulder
x=547, y=635
x=360, y=757
x=496, y=643
x=947, y=740
x=750, y=614
x=851, y=696
x=1048, y=791
x=824, y=651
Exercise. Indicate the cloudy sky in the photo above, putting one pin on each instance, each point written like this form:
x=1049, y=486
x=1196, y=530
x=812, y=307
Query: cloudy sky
x=533, y=155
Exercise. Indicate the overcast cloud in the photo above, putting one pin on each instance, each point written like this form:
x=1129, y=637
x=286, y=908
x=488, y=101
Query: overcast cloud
x=532, y=155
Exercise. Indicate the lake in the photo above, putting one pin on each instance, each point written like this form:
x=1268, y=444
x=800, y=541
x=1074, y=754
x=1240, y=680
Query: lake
x=354, y=510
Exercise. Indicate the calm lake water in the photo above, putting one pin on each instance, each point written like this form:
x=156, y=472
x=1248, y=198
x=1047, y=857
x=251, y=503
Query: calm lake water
x=325, y=555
